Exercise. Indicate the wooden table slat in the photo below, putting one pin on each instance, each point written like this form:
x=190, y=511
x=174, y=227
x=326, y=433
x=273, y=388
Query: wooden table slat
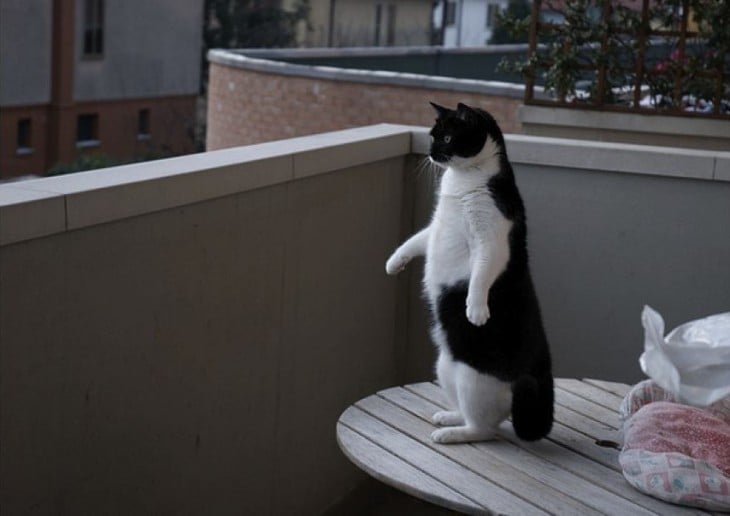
x=588, y=458
x=584, y=424
x=579, y=432
x=497, y=466
x=568, y=473
x=619, y=389
x=590, y=392
x=587, y=408
x=481, y=491
x=390, y=469
x=540, y=461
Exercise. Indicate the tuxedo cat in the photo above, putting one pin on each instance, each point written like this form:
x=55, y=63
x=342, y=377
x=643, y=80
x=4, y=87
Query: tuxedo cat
x=493, y=354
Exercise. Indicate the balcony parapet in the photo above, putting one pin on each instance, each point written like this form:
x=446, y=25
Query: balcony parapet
x=42, y=207
x=270, y=61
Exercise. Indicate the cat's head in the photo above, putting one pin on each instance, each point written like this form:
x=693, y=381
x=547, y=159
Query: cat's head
x=463, y=136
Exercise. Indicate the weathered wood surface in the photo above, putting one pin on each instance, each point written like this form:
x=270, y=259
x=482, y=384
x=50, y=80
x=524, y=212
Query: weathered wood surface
x=388, y=436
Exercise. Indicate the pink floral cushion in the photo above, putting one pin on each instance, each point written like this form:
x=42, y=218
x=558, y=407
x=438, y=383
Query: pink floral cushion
x=676, y=452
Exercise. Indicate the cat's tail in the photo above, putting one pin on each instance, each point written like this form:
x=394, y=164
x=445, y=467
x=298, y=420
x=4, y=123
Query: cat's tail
x=532, y=406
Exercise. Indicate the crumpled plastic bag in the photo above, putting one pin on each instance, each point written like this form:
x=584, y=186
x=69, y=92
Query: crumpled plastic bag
x=693, y=361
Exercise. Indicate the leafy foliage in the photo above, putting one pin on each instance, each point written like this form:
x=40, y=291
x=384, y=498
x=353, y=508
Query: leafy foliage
x=250, y=24
x=513, y=24
x=594, y=42
x=93, y=160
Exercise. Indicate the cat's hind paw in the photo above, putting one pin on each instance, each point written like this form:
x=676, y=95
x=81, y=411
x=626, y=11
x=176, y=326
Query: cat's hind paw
x=461, y=434
x=447, y=418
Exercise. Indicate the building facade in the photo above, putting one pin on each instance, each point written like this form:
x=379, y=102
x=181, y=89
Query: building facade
x=80, y=77
x=466, y=23
x=366, y=23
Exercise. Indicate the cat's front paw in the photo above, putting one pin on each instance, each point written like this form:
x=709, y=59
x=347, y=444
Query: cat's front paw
x=477, y=312
x=396, y=263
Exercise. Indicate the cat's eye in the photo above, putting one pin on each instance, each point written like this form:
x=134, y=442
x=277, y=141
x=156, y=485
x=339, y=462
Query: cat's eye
x=447, y=138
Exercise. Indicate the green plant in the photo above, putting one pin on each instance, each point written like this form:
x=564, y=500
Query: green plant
x=249, y=24
x=95, y=160
x=598, y=51
x=512, y=24
x=84, y=162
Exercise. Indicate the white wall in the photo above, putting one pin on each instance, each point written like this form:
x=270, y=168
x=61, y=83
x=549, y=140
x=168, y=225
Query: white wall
x=151, y=48
x=25, y=52
x=470, y=29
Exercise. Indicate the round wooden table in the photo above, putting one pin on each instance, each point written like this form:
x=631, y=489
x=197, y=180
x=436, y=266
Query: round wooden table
x=574, y=471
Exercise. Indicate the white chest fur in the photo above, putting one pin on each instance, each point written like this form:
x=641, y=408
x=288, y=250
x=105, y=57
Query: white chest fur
x=468, y=238
x=468, y=235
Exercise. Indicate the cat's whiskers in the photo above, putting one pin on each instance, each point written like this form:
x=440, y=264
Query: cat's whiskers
x=426, y=166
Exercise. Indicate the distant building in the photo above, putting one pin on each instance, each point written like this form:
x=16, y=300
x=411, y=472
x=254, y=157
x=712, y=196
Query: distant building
x=466, y=23
x=366, y=23
x=84, y=76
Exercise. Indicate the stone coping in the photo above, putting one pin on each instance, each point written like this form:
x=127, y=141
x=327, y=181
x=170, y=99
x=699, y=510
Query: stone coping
x=636, y=122
x=40, y=207
x=423, y=50
x=265, y=61
x=608, y=157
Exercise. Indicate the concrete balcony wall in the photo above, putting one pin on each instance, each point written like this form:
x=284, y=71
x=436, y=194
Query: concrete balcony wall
x=636, y=128
x=180, y=336
x=183, y=343
x=613, y=227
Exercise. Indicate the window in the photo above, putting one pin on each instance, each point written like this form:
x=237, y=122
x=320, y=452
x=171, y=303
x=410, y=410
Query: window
x=143, y=124
x=386, y=37
x=93, y=28
x=24, y=143
x=87, y=130
x=492, y=12
x=450, y=13
x=378, y=23
x=390, y=35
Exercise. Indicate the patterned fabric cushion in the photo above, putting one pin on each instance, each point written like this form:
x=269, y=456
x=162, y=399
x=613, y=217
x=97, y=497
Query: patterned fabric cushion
x=676, y=452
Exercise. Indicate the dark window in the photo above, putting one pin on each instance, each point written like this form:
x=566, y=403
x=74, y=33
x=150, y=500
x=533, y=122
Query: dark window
x=390, y=37
x=450, y=13
x=24, y=142
x=492, y=11
x=87, y=130
x=378, y=23
x=143, y=124
x=93, y=28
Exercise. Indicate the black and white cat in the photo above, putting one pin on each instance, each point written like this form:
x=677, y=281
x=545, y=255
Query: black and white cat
x=493, y=354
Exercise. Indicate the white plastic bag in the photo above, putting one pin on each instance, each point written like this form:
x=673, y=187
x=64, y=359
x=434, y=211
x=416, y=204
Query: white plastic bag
x=693, y=361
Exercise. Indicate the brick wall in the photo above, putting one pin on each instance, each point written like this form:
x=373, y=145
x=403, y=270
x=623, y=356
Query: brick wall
x=249, y=106
x=171, y=124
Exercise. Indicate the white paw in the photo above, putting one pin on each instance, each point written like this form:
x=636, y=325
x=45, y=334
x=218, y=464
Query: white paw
x=443, y=436
x=460, y=434
x=477, y=312
x=396, y=263
x=447, y=418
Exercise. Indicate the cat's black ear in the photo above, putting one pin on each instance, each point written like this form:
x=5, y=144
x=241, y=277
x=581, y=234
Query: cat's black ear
x=467, y=112
x=440, y=110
